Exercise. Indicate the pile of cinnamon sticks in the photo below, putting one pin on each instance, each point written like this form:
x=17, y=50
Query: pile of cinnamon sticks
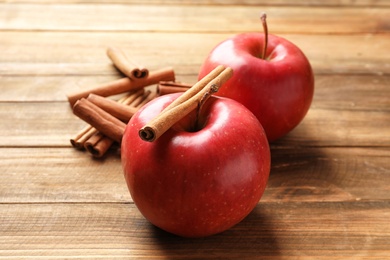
x=107, y=117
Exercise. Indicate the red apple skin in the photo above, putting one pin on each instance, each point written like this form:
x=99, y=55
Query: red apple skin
x=278, y=90
x=197, y=183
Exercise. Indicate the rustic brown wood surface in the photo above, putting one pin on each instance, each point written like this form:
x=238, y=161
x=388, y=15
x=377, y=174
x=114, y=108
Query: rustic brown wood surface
x=328, y=196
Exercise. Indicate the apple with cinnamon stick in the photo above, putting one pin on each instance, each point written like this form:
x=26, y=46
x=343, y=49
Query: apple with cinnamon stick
x=272, y=78
x=195, y=164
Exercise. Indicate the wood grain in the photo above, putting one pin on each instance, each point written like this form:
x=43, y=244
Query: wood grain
x=336, y=118
x=170, y=18
x=332, y=92
x=320, y=3
x=56, y=53
x=328, y=192
x=329, y=174
x=52, y=175
x=64, y=175
x=273, y=230
x=52, y=124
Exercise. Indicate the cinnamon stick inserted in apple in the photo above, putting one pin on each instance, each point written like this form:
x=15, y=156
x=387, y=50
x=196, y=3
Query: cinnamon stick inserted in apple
x=185, y=103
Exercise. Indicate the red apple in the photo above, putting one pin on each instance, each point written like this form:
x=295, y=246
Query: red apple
x=278, y=88
x=197, y=181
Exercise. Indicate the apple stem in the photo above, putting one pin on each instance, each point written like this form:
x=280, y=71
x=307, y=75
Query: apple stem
x=263, y=18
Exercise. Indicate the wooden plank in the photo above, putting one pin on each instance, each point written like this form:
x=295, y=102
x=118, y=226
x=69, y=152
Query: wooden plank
x=47, y=88
x=329, y=174
x=53, y=175
x=350, y=92
x=175, y=18
x=363, y=3
x=328, y=193
x=60, y=175
x=37, y=124
x=80, y=53
x=53, y=124
x=318, y=230
x=331, y=91
x=323, y=127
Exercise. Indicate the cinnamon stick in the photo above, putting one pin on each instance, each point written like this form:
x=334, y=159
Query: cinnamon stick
x=130, y=98
x=81, y=137
x=98, y=118
x=150, y=96
x=168, y=87
x=98, y=145
x=116, y=109
x=78, y=141
x=124, y=85
x=120, y=110
x=186, y=103
x=136, y=102
x=127, y=66
x=197, y=87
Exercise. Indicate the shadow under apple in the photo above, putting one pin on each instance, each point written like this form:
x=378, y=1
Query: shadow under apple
x=304, y=170
x=252, y=237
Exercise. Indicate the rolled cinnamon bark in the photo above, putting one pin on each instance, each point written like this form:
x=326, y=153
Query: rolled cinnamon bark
x=98, y=144
x=148, y=97
x=116, y=109
x=196, y=88
x=99, y=119
x=127, y=66
x=185, y=103
x=80, y=138
x=124, y=85
x=130, y=98
x=168, y=87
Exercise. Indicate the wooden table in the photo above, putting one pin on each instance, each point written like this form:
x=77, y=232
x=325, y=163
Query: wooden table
x=328, y=195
